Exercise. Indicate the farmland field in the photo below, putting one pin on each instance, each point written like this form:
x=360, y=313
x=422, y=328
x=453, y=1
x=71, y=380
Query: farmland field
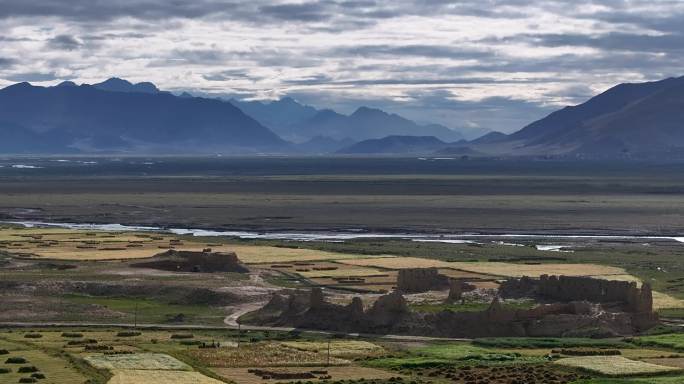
x=266, y=354
x=338, y=348
x=136, y=361
x=615, y=365
x=242, y=376
x=492, y=268
x=159, y=377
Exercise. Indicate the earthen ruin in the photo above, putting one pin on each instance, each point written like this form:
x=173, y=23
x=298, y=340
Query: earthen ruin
x=582, y=314
x=192, y=261
x=574, y=288
x=413, y=280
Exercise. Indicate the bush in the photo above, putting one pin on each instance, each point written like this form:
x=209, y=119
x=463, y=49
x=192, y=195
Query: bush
x=191, y=342
x=128, y=334
x=5, y=370
x=28, y=369
x=4, y=352
x=33, y=335
x=39, y=376
x=72, y=335
x=98, y=348
x=182, y=336
x=16, y=360
x=28, y=380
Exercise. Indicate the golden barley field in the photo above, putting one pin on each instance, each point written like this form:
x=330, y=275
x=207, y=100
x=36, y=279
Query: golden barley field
x=615, y=365
x=160, y=377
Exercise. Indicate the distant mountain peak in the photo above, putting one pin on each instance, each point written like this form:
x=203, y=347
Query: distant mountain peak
x=115, y=84
x=286, y=100
x=368, y=111
x=67, y=83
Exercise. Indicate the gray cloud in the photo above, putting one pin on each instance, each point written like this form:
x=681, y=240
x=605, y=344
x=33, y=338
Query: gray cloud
x=31, y=76
x=6, y=62
x=64, y=42
x=497, y=64
x=312, y=11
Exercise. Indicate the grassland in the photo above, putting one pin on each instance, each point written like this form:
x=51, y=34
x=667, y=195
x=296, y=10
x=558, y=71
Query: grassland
x=672, y=341
x=151, y=311
x=393, y=194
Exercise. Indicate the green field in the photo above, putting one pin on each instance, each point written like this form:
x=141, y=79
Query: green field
x=153, y=311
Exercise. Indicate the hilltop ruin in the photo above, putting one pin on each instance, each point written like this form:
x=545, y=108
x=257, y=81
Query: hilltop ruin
x=571, y=288
x=413, y=280
x=193, y=261
x=582, y=313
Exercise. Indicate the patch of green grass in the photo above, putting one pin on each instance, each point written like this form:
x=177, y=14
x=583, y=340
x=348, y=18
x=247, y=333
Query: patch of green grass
x=673, y=313
x=671, y=340
x=448, y=354
x=549, y=342
x=152, y=311
x=649, y=380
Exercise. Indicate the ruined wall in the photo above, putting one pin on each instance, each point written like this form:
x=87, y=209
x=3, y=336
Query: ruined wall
x=191, y=261
x=414, y=280
x=573, y=288
x=391, y=315
x=577, y=288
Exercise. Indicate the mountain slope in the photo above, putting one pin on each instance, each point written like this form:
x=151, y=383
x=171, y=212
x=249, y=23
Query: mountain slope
x=396, y=145
x=92, y=119
x=643, y=119
x=278, y=115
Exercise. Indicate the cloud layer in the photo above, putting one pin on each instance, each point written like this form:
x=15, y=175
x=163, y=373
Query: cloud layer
x=492, y=64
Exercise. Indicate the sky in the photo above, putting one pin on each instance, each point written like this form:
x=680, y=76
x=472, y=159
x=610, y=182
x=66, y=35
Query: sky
x=487, y=64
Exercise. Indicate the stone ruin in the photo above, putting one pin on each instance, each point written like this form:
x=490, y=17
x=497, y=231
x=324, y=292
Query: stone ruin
x=414, y=280
x=194, y=261
x=576, y=288
x=455, y=291
x=390, y=314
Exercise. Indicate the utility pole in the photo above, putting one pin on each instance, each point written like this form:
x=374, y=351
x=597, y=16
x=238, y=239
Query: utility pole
x=328, y=359
x=238, y=335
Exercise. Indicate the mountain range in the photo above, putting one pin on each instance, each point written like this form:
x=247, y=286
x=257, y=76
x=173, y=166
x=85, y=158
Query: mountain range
x=300, y=123
x=119, y=116
x=641, y=120
x=123, y=117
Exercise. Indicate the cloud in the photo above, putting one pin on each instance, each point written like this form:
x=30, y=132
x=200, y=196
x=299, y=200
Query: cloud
x=312, y=11
x=31, y=77
x=498, y=64
x=64, y=42
x=6, y=62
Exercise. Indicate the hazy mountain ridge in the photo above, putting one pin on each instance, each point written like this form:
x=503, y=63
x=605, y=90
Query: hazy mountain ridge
x=131, y=118
x=626, y=121
x=299, y=123
x=396, y=145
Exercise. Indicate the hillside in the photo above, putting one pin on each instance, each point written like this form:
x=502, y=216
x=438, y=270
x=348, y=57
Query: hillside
x=124, y=117
x=628, y=120
x=396, y=145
